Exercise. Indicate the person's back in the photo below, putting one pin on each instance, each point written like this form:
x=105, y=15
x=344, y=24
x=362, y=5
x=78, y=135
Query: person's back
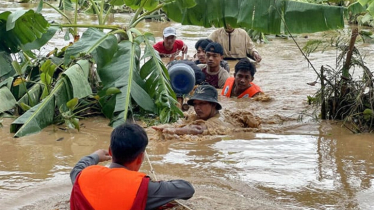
x=121, y=186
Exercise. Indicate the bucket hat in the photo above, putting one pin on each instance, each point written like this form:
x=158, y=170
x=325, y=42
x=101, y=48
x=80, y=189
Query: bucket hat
x=205, y=93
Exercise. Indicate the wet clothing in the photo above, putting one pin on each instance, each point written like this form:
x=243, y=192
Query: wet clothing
x=159, y=193
x=236, y=44
x=215, y=79
x=223, y=64
x=248, y=93
x=215, y=125
x=177, y=47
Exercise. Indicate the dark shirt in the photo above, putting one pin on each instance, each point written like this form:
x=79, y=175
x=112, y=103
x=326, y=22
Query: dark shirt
x=211, y=79
x=159, y=193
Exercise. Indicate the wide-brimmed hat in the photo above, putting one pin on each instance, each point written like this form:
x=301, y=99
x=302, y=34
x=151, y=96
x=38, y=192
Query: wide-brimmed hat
x=205, y=93
x=169, y=31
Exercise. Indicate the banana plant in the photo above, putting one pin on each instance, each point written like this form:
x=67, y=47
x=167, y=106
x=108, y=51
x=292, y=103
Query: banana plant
x=73, y=84
x=266, y=16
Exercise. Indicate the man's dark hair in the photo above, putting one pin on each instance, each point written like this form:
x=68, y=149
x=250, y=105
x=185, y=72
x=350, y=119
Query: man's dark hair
x=245, y=65
x=202, y=43
x=127, y=141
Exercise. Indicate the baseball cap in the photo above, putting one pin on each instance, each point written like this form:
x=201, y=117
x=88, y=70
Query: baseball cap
x=170, y=31
x=214, y=47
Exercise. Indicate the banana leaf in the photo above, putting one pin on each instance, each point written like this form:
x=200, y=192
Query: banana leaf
x=7, y=100
x=119, y=73
x=6, y=69
x=33, y=93
x=42, y=115
x=38, y=43
x=262, y=15
x=91, y=40
x=157, y=83
x=19, y=28
x=369, y=4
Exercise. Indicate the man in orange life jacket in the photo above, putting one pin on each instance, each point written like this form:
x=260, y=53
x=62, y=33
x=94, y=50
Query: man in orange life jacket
x=121, y=186
x=241, y=84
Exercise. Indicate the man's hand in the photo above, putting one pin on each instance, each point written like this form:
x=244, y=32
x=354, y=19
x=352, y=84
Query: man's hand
x=257, y=57
x=103, y=155
x=184, y=49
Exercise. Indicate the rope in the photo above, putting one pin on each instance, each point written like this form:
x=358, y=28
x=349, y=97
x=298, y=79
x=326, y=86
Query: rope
x=154, y=175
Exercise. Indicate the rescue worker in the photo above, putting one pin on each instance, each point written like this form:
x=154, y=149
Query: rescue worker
x=121, y=185
x=200, y=53
x=236, y=43
x=215, y=75
x=241, y=85
x=170, y=46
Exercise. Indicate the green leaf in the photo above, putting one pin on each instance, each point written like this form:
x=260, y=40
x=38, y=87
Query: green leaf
x=6, y=69
x=66, y=5
x=356, y=8
x=307, y=18
x=91, y=40
x=40, y=7
x=42, y=115
x=112, y=91
x=12, y=18
x=24, y=106
x=150, y=4
x=34, y=93
x=20, y=28
x=7, y=99
x=261, y=15
x=117, y=2
x=75, y=122
x=141, y=97
x=78, y=77
x=157, y=83
x=72, y=103
x=40, y=42
x=119, y=73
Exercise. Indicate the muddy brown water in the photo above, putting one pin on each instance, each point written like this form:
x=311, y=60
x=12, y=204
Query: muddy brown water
x=296, y=162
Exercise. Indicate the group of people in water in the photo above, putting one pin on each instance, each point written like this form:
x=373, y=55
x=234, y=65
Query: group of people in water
x=121, y=185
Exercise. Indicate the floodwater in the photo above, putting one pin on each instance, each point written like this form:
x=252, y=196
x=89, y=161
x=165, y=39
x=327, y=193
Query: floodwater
x=296, y=162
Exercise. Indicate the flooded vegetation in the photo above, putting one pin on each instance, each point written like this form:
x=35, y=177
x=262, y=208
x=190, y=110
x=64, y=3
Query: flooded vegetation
x=293, y=161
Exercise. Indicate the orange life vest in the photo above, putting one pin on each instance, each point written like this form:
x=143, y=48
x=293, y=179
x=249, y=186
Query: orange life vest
x=248, y=93
x=108, y=188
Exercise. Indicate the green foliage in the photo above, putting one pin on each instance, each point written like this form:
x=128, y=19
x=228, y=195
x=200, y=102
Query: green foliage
x=369, y=4
x=300, y=17
x=7, y=99
x=156, y=79
x=42, y=115
x=6, y=69
x=122, y=84
x=20, y=28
